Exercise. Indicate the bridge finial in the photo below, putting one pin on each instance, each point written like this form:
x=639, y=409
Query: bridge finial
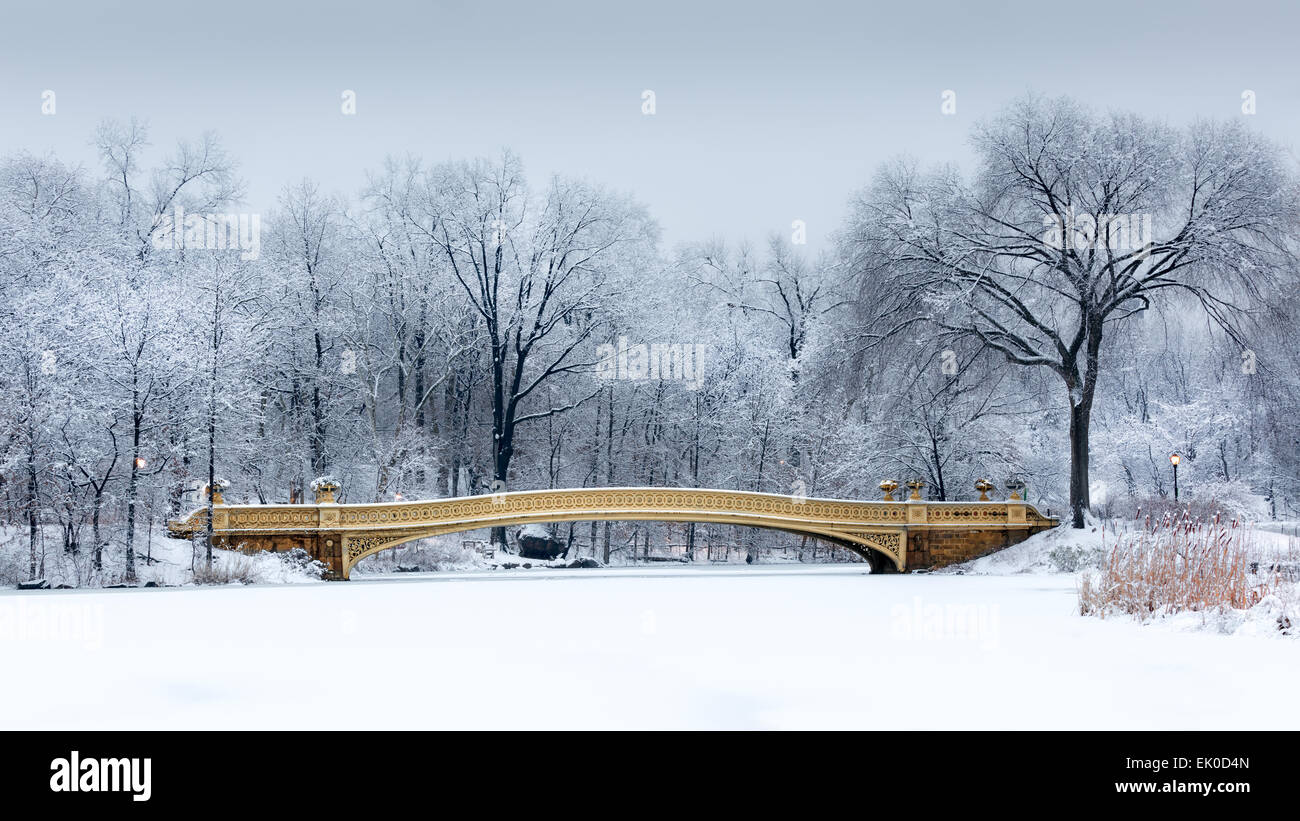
x=215, y=490
x=889, y=486
x=915, y=485
x=983, y=486
x=325, y=487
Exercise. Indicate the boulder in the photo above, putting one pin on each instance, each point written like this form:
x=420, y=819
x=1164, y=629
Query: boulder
x=536, y=542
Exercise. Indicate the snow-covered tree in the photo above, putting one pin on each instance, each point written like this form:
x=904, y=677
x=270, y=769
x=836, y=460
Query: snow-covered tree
x=1071, y=224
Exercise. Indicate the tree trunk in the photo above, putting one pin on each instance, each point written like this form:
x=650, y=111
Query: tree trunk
x=94, y=526
x=33, y=515
x=1079, y=421
x=940, y=489
x=609, y=472
x=212, y=420
x=133, y=484
x=595, y=471
x=502, y=430
x=695, y=471
x=212, y=474
x=499, y=486
x=318, y=432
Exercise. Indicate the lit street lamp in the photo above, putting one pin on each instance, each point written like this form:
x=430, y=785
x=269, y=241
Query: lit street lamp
x=1174, y=459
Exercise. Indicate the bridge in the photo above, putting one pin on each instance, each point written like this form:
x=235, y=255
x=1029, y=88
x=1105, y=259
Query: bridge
x=893, y=536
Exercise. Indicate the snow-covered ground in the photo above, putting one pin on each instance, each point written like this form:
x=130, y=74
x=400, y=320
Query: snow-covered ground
x=1065, y=549
x=679, y=647
x=160, y=560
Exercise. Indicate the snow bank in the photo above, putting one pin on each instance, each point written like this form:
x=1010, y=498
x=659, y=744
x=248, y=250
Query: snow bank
x=159, y=560
x=1062, y=549
x=1276, y=616
x=291, y=567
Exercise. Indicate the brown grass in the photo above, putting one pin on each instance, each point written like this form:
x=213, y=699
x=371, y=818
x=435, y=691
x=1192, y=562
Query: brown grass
x=1171, y=565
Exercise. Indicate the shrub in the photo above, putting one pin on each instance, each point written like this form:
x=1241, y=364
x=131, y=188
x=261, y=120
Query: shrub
x=1226, y=500
x=299, y=561
x=1073, y=558
x=227, y=569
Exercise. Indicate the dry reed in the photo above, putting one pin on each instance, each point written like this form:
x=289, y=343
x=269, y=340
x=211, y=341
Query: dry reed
x=1171, y=565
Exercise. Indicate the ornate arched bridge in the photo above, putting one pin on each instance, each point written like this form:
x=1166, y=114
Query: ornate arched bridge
x=891, y=535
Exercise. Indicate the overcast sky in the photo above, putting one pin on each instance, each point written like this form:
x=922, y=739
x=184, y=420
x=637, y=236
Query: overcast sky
x=765, y=112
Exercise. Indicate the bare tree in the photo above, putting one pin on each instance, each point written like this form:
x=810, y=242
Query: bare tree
x=537, y=280
x=1073, y=223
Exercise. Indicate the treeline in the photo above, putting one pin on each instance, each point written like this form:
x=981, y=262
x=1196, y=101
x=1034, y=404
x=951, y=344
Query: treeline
x=449, y=331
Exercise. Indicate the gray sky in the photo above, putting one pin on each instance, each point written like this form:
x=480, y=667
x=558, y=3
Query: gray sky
x=766, y=112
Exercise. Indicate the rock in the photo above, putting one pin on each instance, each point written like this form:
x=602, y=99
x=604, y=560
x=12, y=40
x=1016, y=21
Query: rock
x=536, y=543
x=528, y=565
x=151, y=584
x=34, y=584
x=585, y=562
x=509, y=565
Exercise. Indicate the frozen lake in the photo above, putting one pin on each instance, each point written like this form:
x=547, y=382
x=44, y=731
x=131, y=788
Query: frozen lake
x=680, y=647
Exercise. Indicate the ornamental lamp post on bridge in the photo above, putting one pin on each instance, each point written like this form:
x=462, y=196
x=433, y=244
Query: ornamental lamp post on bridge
x=1174, y=459
x=1015, y=486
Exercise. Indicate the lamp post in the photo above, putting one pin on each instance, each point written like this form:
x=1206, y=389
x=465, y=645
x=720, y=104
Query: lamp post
x=1174, y=459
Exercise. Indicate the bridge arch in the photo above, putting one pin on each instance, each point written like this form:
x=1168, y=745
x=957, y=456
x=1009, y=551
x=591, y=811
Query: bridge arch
x=882, y=551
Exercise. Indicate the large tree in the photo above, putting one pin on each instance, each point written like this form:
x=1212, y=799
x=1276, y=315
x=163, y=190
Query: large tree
x=1074, y=222
x=538, y=271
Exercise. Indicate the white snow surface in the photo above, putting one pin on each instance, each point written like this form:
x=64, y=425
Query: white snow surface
x=1040, y=553
x=680, y=647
